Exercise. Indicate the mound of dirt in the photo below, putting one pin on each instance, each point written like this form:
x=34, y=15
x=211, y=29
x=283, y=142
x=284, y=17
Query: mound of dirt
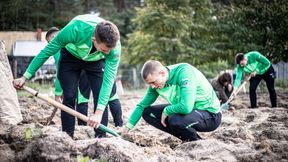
x=245, y=135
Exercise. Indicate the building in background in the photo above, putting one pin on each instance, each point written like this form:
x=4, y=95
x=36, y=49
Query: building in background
x=22, y=54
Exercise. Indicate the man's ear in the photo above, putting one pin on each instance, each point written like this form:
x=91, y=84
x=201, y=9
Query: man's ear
x=162, y=72
x=93, y=39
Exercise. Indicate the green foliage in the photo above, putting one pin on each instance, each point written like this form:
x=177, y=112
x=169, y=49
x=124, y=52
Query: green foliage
x=253, y=25
x=283, y=84
x=23, y=15
x=124, y=24
x=212, y=69
x=198, y=31
x=202, y=37
x=173, y=31
x=32, y=14
x=28, y=15
x=159, y=29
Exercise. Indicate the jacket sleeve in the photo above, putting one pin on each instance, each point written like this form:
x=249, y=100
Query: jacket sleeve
x=188, y=86
x=110, y=71
x=149, y=99
x=65, y=36
x=239, y=73
x=58, y=88
x=265, y=63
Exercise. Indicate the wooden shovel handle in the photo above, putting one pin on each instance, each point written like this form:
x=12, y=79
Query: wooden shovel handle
x=66, y=109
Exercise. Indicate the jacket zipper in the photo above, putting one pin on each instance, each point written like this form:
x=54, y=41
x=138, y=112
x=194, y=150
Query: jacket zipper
x=88, y=53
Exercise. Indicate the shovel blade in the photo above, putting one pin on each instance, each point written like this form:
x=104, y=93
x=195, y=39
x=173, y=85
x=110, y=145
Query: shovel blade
x=225, y=106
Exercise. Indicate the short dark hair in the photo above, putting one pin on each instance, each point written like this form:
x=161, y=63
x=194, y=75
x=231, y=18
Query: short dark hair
x=225, y=77
x=150, y=67
x=51, y=31
x=239, y=57
x=106, y=32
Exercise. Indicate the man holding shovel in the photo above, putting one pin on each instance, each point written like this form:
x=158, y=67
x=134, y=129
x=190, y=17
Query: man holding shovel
x=84, y=91
x=259, y=68
x=84, y=43
x=193, y=105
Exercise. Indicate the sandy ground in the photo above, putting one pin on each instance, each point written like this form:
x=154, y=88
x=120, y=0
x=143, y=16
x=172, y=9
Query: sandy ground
x=245, y=135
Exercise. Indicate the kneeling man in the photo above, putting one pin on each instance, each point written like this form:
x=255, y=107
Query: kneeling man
x=193, y=105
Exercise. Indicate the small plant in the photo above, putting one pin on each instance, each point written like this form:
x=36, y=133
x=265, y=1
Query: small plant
x=28, y=134
x=83, y=158
x=102, y=159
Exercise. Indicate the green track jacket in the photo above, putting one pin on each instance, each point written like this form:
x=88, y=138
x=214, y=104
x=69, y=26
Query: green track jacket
x=256, y=62
x=58, y=89
x=186, y=89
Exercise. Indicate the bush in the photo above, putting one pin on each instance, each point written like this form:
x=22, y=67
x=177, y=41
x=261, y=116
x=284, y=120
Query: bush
x=212, y=69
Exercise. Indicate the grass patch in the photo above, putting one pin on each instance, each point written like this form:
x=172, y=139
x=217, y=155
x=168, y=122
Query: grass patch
x=42, y=88
x=281, y=83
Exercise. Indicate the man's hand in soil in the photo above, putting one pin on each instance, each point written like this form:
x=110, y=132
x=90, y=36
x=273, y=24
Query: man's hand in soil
x=19, y=82
x=253, y=74
x=122, y=130
x=95, y=119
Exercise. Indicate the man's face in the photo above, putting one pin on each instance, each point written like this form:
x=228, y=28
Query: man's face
x=156, y=80
x=101, y=47
x=243, y=62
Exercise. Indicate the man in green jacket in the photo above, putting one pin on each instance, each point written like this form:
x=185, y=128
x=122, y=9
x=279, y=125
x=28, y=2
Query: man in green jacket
x=193, y=105
x=84, y=43
x=84, y=91
x=259, y=67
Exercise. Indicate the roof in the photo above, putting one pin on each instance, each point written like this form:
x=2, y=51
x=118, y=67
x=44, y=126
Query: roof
x=28, y=48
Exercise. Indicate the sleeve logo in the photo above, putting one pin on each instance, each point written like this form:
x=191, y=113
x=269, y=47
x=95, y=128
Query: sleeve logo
x=184, y=82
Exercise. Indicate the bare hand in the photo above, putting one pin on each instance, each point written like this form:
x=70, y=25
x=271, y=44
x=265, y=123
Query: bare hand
x=122, y=130
x=253, y=74
x=230, y=88
x=19, y=82
x=58, y=99
x=95, y=119
x=163, y=117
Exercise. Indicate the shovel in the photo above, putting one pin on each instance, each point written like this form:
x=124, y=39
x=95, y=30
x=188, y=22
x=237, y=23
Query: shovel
x=67, y=109
x=225, y=106
x=51, y=116
x=49, y=120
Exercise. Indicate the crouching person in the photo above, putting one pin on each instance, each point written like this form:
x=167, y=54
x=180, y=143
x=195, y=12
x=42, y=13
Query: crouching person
x=223, y=87
x=194, y=106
